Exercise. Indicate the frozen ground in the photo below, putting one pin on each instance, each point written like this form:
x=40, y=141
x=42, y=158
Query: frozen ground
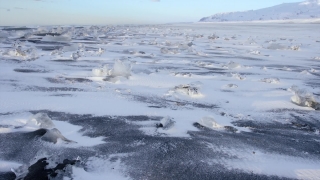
x=178, y=101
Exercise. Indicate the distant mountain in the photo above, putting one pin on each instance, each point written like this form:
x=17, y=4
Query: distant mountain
x=303, y=10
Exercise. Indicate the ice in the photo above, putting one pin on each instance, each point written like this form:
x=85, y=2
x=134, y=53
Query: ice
x=75, y=55
x=121, y=68
x=166, y=123
x=188, y=90
x=41, y=120
x=62, y=38
x=271, y=80
x=232, y=65
x=104, y=71
x=304, y=98
x=209, y=122
x=53, y=135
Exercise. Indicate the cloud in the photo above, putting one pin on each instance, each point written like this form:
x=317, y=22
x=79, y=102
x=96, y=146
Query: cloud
x=155, y=0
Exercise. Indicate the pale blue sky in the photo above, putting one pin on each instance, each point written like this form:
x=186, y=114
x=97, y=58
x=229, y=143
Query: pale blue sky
x=61, y=12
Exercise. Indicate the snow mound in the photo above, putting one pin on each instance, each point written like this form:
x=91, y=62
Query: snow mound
x=41, y=120
x=209, y=122
x=304, y=98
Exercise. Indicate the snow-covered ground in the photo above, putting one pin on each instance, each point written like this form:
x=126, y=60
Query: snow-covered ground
x=178, y=101
x=306, y=11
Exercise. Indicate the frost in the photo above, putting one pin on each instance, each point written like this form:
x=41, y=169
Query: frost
x=209, y=122
x=41, y=120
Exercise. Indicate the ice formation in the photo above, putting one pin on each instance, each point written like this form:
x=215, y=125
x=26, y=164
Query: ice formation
x=188, y=90
x=271, y=80
x=304, y=98
x=41, y=120
x=166, y=123
x=209, y=122
x=121, y=68
x=53, y=135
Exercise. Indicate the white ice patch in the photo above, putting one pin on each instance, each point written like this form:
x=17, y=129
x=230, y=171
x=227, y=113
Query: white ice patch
x=209, y=122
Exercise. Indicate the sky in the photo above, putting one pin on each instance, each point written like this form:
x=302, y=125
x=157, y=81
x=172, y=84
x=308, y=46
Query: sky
x=104, y=12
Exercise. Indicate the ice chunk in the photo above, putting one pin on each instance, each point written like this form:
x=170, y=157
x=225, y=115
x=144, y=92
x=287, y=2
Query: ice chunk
x=236, y=75
x=104, y=71
x=295, y=48
x=41, y=120
x=271, y=80
x=166, y=123
x=232, y=65
x=209, y=122
x=305, y=72
x=75, y=55
x=62, y=38
x=233, y=86
x=213, y=37
x=304, y=98
x=121, y=68
x=53, y=135
x=188, y=90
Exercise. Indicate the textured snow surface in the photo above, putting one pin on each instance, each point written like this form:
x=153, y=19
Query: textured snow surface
x=308, y=10
x=178, y=101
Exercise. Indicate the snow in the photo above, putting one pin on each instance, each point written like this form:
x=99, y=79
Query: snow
x=101, y=91
x=308, y=10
